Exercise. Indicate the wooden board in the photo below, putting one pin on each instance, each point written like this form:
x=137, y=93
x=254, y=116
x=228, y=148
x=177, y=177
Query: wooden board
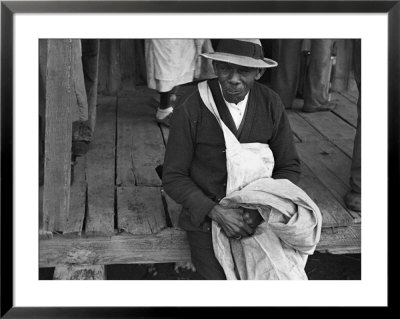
x=169, y=245
x=77, y=206
x=346, y=146
x=330, y=166
x=78, y=272
x=330, y=126
x=101, y=172
x=333, y=213
x=140, y=146
x=341, y=240
x=345, y=109
x=58, y=135
x=140, y=210
x=302, y=129
x=324, y=159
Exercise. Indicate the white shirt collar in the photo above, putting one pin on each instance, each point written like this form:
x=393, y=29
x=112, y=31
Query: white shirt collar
x=236, y=110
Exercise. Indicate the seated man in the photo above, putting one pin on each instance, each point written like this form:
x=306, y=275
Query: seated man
x=195, y=169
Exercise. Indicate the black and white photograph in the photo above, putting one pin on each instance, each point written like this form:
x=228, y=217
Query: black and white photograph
x=200, y=159
x=160, y=155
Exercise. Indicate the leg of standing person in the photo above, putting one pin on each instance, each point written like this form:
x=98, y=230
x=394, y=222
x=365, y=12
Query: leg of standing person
x=166, y=107
x=353, y=198
x=316, y=90
x=284, y=78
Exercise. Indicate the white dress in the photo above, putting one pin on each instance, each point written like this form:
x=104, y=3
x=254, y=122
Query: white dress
x=171, y=62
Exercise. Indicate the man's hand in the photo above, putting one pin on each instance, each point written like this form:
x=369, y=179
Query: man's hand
x=231, y=221
x=252, y=218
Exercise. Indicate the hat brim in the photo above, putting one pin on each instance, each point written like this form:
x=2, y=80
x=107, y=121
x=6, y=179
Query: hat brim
x=240, y=60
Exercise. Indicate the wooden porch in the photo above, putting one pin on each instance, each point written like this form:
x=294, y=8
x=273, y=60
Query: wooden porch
x=119, y=214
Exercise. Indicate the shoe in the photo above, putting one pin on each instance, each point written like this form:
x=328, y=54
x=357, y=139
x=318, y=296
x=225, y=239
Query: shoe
x=353, y=201
x=163, y=116
x=317, y=109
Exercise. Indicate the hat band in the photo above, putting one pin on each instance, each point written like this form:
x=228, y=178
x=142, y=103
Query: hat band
x=242, y=48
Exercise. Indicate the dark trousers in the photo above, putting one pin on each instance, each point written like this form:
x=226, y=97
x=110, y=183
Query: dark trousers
x=203, y=257
x=284, y=78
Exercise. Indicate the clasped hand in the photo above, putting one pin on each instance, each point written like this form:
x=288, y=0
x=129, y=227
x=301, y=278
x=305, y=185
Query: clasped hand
x=236, y=222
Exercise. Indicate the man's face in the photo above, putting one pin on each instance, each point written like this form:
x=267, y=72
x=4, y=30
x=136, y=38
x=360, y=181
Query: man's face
x=236, y=81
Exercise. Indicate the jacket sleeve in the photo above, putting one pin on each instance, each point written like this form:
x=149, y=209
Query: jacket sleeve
x=177, y=182
x=287, y=162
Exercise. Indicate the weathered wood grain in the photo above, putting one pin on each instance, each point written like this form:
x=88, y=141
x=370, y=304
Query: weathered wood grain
x=140, y=210
x=140, y=144
x=330, y=166
x=58, y=133
x=333, y=213
x=345, y=109
x=346, y=146
x=302, y=129
x=77, y=208
x=330, y=126
x=78, y=272
x=101, y=172
x=341, y=240
x=325, y=159
x=169, y=245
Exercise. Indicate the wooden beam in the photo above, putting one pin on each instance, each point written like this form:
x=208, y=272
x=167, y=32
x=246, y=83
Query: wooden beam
x=101, y=172
x=169, y=245
x=341, y=240
x=140, y=144
x=78, y=272
x=58, y=134
x=140, y=210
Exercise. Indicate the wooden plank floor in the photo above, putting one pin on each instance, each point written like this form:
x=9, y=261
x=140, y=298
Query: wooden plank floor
x=129, y=214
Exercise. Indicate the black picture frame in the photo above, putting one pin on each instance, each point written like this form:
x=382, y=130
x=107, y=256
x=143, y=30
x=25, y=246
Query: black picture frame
x=9, y=8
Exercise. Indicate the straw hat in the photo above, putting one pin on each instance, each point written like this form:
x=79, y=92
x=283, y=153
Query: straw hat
x=245, y=52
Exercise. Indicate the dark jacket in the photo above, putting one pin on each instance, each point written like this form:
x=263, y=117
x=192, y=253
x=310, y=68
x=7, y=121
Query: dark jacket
x=194, y=172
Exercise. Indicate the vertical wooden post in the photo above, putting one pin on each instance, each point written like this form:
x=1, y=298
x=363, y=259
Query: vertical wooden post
x=58, y=134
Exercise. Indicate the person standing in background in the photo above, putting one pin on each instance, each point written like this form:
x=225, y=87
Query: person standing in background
x=285, y=78
x=172, y=62
x=353, y=198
